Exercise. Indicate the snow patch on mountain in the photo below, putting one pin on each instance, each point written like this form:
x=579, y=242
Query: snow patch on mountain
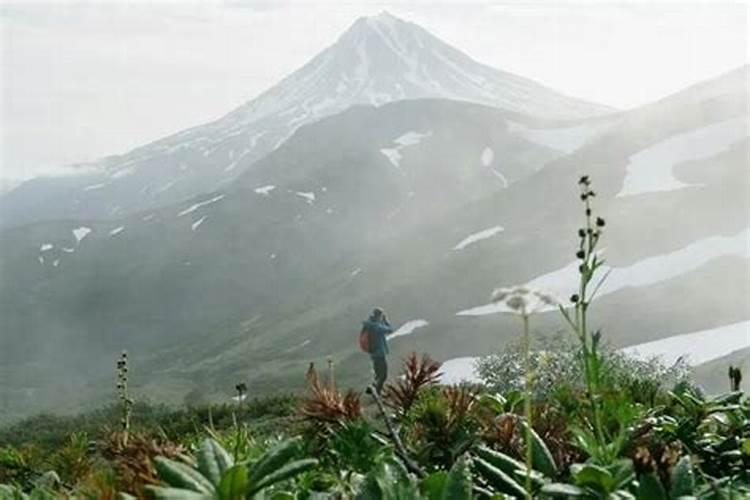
x=308, y=196
x=117, y=231
x=488, y=155
x=409, y=327
x=697, y=347
x=561, y=283
x=478, y=236
x=46, y=246
x=563, y=139
x=651, y=170
x=94, y=187
x=265, y=190
x=410, y=138
x=196, y=206
x=197, y=223
x=81, y=232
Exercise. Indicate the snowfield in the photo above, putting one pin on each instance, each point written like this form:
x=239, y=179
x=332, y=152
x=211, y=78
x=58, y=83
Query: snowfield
x=478, y=236
x=562, y=283
x=651, y=170
x=564, y=140
x=195, y=207
x=698, y=347
x=409, y=327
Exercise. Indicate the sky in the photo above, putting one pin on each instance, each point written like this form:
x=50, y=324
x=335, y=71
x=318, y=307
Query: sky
x=82, y=80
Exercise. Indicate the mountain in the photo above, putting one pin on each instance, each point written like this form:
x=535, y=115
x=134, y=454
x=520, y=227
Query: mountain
x=420, y=206
x=380, y=59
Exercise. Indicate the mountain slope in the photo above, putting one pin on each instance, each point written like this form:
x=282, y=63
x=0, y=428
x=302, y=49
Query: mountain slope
x=422, y=207
x=378, y=60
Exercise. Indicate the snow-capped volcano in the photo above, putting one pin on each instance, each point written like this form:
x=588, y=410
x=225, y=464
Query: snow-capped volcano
x=380, y=59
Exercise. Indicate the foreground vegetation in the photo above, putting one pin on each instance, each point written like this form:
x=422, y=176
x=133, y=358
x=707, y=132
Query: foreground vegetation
x=576, y=421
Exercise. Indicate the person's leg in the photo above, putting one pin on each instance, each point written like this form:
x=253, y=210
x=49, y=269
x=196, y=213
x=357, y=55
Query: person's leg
x=381, y=372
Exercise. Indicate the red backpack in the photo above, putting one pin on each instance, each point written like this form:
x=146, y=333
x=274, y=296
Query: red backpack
x=364, y=340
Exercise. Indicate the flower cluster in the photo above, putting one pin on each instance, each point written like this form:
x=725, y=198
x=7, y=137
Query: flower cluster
x=588, y=237
x=522, y=300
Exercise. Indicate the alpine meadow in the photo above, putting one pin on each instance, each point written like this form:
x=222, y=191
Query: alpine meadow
x=395, y=273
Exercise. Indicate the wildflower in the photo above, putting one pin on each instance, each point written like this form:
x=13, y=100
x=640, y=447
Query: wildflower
x=523, y=301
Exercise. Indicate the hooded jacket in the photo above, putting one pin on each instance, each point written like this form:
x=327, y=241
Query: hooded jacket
x=378, y=330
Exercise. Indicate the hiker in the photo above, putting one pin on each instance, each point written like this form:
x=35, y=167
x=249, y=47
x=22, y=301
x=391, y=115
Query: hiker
x=377, y=327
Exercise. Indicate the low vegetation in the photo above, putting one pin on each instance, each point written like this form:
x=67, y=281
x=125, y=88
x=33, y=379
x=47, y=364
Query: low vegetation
x=576, y=421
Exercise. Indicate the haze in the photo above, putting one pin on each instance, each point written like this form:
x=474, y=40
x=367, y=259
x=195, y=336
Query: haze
x=87, y=80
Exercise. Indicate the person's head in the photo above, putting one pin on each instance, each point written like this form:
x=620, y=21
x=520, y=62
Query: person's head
x=377, y=313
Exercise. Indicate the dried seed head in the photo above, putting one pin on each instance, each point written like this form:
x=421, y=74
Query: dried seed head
x=574, y=298
x=600, y=222
x=580, y=254
x=581, y=233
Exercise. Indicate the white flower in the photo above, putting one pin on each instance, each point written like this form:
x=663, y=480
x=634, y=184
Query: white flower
x=523, y=301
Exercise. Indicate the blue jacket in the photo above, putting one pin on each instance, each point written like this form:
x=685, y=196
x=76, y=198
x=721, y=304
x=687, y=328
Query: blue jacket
x=378, y=331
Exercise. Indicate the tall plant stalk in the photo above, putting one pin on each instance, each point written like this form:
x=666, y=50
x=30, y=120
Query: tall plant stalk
x=527, y=400
x=590, y=262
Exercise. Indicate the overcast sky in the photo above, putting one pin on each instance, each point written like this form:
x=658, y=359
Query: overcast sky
x=80, y=81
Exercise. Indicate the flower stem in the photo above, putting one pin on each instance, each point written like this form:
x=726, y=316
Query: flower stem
x=527, y=401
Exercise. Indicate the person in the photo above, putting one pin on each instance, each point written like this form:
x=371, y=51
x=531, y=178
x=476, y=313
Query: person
x=378, y=328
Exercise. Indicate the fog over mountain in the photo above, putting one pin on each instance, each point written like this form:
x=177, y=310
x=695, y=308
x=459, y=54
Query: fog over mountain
x=390, y=170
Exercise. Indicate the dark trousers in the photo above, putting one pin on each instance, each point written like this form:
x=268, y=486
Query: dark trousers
x=380, y=367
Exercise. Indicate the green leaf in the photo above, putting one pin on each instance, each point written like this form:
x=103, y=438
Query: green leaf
x=274, y=459
x=213, y=460
x=159, y=493
x=498, y=479
x=433, y=485
x=233, y=483
x=683, y=480
x=650, y=488
x=458, y=483
x=541, y=458
x=746, y=446
x=181, y=476
x=500, y=460
x=592, y=476
x=286, y=472
x=563, y=490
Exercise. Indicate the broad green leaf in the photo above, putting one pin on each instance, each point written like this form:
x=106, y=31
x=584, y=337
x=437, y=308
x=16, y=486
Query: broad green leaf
x=433, y=485
x=458, y=483
x=159, y=493
x=274, y=459
x=182, y=476
x=498, y=479
x=746, y=446
x=213, y=460
x=233, y=483
x=500, y=460
x=563, y=490
x=541, y=458
x=592, y=476
x=683, y=481
x=286, y=472
x=650, y=488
